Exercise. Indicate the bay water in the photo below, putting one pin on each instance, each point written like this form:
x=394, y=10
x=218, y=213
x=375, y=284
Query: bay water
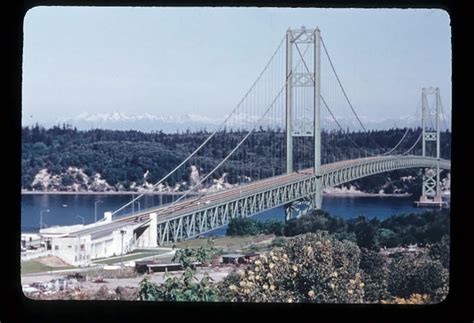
x=68, y=209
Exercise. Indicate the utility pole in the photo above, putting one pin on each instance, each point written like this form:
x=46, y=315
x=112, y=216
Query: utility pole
x=95, y=207
x=122, y=232
x=41, y=217
x=138, y=206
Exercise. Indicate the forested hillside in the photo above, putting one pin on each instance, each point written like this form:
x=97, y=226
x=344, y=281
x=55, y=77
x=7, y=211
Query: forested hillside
x=118, y=160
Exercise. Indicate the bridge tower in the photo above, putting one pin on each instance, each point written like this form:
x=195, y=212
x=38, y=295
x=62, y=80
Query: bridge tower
x=431, y=191
x=308, y=77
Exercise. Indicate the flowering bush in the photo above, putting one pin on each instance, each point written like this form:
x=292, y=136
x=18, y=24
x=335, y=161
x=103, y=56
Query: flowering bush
x=440, y=251
x=413, y=299
x=309, y=268
x=314, y=267
x=418, y=275
x=376, y=273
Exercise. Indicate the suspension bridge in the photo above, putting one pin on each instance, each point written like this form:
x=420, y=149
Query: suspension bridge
x=298, y=112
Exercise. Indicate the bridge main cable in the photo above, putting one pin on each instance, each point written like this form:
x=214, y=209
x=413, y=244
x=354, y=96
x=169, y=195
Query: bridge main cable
x=233, y=150
x=239, y=144
x=327, y=106
x=209, y=138
x=352, y=108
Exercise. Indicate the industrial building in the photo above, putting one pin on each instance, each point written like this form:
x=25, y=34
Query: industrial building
x=78, y=245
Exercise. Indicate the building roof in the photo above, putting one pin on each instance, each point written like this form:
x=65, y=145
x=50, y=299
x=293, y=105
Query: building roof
x=233, y=255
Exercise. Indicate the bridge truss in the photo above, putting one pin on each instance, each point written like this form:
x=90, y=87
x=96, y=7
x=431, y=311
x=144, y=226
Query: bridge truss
x=189, y=225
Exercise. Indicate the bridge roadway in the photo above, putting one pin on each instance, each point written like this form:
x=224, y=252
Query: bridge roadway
x=195, y=204
x=188, y=205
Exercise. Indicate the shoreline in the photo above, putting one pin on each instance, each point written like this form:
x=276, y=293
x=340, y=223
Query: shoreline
x=331, y=194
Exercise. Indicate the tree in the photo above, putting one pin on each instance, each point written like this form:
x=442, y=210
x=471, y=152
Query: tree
x=312, y=222
x=242, y=227
x=271, y=227
x=386, y=238
x=67, y=180
x=365, y=232
x=65, y=146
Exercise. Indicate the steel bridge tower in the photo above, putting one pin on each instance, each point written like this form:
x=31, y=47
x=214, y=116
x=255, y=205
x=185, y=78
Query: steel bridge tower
x=309, y=78
x=431, y=191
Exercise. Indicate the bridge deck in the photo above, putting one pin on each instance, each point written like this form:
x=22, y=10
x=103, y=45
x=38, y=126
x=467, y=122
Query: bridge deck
x=195, y=204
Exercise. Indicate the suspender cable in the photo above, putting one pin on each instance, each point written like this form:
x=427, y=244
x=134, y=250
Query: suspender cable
x=233, y=150
x=210, y=137
x=339, y=125
x=417, y=140
x=343, y=91
x=398, y=144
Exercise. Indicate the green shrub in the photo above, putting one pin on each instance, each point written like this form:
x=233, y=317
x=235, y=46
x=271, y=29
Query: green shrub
x=312, y=222
x=278, y=242
x=186, y=287
x=177, y=289
x=242, y=227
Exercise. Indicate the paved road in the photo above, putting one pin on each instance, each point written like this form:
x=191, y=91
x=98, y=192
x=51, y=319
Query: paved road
x=194, y=204
x=216, y=273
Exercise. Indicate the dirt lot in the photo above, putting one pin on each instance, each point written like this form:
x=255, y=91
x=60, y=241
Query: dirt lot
x=217, y=274
x=91, y=287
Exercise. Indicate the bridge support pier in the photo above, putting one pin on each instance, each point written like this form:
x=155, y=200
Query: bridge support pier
x=317, y=200
x=301, y=207
x=431, y=191
x=297, y=209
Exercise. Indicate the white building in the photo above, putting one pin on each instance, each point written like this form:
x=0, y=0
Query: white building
x=78, y=245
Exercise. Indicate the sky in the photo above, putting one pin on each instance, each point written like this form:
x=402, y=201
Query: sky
x=175, y=61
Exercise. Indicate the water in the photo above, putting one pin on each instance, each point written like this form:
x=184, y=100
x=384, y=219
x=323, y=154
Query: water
x=76, y=209
x=67, y=209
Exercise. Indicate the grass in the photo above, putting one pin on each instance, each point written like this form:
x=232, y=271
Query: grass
x=32, y=266
x=220, y=242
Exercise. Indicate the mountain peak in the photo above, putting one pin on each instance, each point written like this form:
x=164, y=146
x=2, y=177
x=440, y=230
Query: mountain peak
x=146, y=121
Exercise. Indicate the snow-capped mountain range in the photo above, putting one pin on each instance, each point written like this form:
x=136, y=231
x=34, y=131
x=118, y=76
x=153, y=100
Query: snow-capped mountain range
x=170, y=124
x=143, y=122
